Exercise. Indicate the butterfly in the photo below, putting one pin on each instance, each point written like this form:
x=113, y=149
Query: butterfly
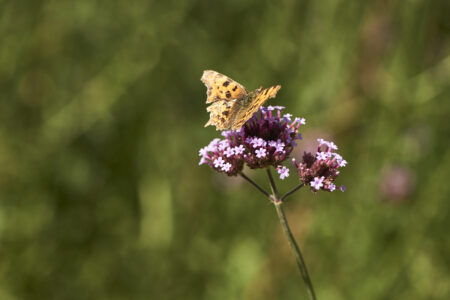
x=232, y=105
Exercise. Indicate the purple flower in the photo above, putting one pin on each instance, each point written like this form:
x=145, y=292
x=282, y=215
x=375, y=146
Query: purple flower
x=287, y=117
x=320, y=170
x=322, y=155
x=229, y=152
x=326, y=143
x=266, y=139
x=226, y=167
x=202, y=161
x=223, y=145
x=218, y=162
x=342, y=163
x=283, y=171
x=331, y=187
x=271, y=131
x=332, y=146
x=317, y=183
x=301, y=121
x=222, y=156
x=279, y=146
x=257, y=142
x=260, y=153
x=239, y=149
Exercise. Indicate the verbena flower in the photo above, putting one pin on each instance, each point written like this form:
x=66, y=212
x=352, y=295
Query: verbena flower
x=223, y=156
x=320, y=170
x=283, y=171
x=267, y=139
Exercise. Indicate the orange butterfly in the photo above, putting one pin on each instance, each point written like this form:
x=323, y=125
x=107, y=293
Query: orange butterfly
x=232, y=105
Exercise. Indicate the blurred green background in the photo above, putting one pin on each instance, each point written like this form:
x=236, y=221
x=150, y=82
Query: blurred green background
x=102, y=113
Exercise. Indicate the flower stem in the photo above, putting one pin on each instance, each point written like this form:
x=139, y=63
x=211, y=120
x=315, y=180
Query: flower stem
x=291, y=191
x=298, y=255
x=255, y=185
x=272, y=185
x=277, y=201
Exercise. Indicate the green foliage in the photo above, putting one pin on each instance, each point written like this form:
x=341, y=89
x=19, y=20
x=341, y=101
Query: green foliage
x=102, y=116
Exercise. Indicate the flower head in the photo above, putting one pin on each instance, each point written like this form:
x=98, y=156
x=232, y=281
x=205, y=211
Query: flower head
x=266, y=139
x=222, y=157
x=320, y=170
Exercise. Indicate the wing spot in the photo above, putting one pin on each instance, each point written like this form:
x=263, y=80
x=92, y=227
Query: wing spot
x=235, y=87
x=226, y=83
x=225, y=113
x=228, y=94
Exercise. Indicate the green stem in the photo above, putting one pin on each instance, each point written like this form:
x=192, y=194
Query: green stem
x=255, y=185
x=272, y=185
x=291, y=191
x=298, y=255
x=277, y=201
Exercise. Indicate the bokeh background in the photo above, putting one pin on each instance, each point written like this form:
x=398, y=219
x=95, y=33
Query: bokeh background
x=102, y=113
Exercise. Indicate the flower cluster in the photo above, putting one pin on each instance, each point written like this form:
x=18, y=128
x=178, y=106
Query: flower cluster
x=320, y=170
x=223, y=156
x=265, y=140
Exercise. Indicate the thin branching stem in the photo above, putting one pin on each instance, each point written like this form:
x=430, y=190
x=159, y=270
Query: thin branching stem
x=277, y=201
x=298, y=255
x=255, y=185
x=291, y=192
x=287, y=231
x=272, y=185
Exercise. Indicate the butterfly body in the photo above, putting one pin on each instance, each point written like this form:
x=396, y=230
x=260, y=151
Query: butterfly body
x=232, y=105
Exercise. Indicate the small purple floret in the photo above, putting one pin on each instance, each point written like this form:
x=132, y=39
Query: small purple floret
x=260, y=153
x=283, y=171
x=226, y=167
x=218, y=162
x=331, y=187
x=317, y=182
x=229, y=152
x=239, y=149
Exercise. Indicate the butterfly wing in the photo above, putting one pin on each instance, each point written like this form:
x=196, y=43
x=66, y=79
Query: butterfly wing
x=221, y=87
x=221, y=114
x=249, y=107
x=231, y=104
